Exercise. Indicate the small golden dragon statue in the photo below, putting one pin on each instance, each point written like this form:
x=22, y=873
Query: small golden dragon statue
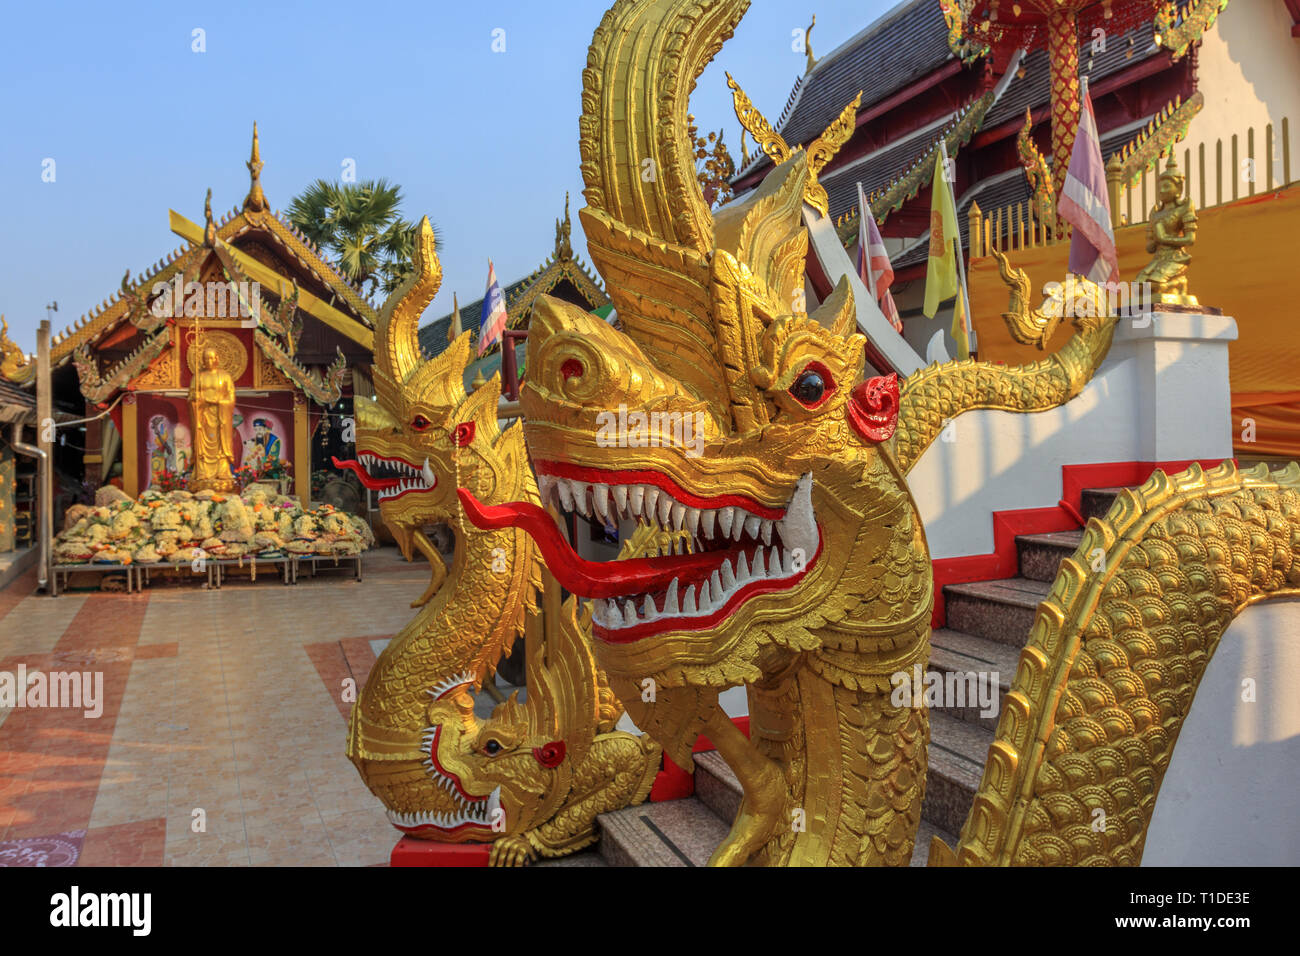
x=808, y=580
x=417, y=443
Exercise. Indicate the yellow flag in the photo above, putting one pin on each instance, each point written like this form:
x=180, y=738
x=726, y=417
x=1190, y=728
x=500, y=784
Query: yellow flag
x=959, y=327
x=941, y=271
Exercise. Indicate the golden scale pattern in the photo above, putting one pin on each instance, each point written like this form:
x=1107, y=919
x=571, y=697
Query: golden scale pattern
x=1184, y=554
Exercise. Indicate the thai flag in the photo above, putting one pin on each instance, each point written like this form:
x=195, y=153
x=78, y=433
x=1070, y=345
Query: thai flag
x=493, y=320
x=1085, y=203
x=874, y=267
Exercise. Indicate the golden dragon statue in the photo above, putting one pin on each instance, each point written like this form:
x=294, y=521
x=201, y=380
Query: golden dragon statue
x=808, y=580
x=421, y=439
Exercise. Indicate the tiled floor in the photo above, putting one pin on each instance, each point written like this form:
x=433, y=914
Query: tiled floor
x=222, y=731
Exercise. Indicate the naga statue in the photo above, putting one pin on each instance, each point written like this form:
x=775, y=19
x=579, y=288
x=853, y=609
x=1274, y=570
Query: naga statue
x=421, y=439
x=808, y=580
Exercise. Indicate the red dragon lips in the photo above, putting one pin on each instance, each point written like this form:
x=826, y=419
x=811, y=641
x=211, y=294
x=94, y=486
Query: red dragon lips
x=392, y=477
x=740, y=548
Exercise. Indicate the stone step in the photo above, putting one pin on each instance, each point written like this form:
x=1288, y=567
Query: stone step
x=1000, y=610
x=953, y=652
x=588, y=857
x=717, y=786
x=1040, y=555
x=1097, y=501
x=958, y=750
x=671, y=833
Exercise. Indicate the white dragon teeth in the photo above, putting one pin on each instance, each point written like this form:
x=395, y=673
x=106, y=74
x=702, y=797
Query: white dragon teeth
x=708, y=519
x=648, y=609
x=688, y=600
x=742, y=569
x=725, y=517
x=566, y=495
x=678, y=515
x=752, y=525
x=768, y=524
x=629, y=613
x=636, y=499
x=670, y=598
x=664, y=509
x=728, y=576
x=600, y=501
x=620, y=499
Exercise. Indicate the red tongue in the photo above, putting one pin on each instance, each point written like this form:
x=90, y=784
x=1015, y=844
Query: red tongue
x=374, y=484
x=593, y=579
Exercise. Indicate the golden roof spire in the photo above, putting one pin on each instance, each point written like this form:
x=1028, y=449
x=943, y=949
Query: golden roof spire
x=563, y=232
x=454, y=330
x=255, y=201
x=209, y=227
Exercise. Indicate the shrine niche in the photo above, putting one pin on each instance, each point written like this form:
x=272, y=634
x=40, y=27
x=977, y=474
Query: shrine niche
x=284, y=331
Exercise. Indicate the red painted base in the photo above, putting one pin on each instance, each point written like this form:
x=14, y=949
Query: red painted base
x=412, y=852
x=1063, y=516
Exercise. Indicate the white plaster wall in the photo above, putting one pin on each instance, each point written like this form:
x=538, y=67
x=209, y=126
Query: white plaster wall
x=1230, y=796
x=1162, y=394
x=1248, y=69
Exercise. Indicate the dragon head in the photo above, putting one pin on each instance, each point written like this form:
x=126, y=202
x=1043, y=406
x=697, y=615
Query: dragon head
x=509, y=773
x=424, y=436
x=721, y=407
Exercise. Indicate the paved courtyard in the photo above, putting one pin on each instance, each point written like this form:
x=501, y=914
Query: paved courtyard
x=221, y=737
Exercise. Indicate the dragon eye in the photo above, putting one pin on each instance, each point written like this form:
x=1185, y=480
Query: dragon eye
x=812, y=386
x=492, y=747
x=420, y=423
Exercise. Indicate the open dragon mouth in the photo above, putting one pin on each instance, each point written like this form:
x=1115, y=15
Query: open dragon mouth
x=739, y=548
x=392, y=477
x=472, y=813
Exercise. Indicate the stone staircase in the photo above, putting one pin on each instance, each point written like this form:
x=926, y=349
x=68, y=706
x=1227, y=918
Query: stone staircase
x=987, y=624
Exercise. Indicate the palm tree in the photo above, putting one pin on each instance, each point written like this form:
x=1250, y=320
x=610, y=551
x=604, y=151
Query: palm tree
x=361, y=225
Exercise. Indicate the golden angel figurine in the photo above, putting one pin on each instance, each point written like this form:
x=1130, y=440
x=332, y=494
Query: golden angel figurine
x=1171, y=231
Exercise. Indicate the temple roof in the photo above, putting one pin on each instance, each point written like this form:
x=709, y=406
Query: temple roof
x=905, y=44
x=326, y=294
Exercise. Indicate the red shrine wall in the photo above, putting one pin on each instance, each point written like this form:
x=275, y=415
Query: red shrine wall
x=165, y=440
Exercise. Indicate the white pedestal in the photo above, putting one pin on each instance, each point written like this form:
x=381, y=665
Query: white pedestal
x=1184, y=400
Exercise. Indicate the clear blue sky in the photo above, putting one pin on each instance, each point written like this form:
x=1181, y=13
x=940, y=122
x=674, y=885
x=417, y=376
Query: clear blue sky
x=483, y=143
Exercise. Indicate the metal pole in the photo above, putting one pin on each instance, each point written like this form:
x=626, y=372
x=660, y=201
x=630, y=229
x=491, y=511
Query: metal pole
x=45, y=441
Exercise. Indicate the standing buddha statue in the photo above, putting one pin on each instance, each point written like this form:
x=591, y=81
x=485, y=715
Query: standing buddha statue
x=212, y=413
x=1171, y=231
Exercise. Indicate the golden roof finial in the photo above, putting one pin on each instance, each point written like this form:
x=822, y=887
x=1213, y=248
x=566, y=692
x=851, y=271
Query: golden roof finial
x=454, y=330
x=255, y=201
x=479, y=380
x=209, y=227
x=563, y=234
x=807, y=44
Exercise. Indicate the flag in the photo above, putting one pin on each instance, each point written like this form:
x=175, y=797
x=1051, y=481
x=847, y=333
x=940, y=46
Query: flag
x=1085, y=203
x=941, y=270
x=493, y=320
x=874, y=268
